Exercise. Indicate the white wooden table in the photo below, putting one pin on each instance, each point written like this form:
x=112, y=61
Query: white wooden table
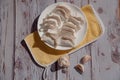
x=16, y=22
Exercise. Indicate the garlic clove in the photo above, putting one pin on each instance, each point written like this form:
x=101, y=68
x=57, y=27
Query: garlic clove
x=64, y=61
x=80, y=68
x=85, y=59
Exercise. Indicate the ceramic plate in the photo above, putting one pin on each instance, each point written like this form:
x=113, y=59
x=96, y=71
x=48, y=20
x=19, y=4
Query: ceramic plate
x=75, y=11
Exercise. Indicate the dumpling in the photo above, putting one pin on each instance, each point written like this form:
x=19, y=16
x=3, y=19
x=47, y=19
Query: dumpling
x=68, y=29
x=47, y=39
x=66, y=43
x=67, y=11
x=49, y=22
x=55, y=37
x=62, y=11
x=64, y=8
x=55, y=17
x=67, y=40
x=75, y=22
x=69, y=37
x=79, y=19
x=48, y=27
x=50, y=39
x=66, y=32
x=66, y=35
x=71, y=25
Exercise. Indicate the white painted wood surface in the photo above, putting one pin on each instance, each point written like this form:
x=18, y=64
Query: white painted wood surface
x=6, y=39
x=18, y=19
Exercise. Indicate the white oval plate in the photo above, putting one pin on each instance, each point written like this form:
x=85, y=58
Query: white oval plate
x=75, y=11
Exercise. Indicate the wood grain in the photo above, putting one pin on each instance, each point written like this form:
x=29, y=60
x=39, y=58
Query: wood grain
x=18, y=18
x=103, y=67
x=27, y=12
x=6, y=39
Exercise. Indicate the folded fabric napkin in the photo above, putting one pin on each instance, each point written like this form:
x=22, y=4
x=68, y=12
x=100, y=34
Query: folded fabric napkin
x=45, y=55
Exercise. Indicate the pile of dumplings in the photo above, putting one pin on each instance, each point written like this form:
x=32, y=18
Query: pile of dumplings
x=60, y=27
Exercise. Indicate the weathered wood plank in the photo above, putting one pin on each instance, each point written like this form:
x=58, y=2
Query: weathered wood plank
x=72, y=74
x=26, y=12
x=6, y=39
x=105, y=52
x=79, y=3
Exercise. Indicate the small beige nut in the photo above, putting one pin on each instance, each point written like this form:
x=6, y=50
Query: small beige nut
x=80, y=68
x=85, y=59
x=64, y=61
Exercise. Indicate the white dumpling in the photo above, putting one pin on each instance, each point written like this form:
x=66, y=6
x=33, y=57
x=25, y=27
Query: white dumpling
x=64, y=8
x=52, y=22
x=66, y=43
x=71, y=25
x=69, y=37
x=68, y=29
x=54, y=17
x=48, y=25
x=54, y=37
x=47, y=39
x=66, y=32
x=79, y=19
x=75, y=22
x=48, y=28
x=62, y=12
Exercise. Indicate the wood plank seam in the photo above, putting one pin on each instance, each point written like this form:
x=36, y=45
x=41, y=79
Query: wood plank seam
x=14, y=13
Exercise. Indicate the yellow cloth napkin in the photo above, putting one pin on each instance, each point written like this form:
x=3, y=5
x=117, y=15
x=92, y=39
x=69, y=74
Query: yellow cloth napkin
x=45, y=55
